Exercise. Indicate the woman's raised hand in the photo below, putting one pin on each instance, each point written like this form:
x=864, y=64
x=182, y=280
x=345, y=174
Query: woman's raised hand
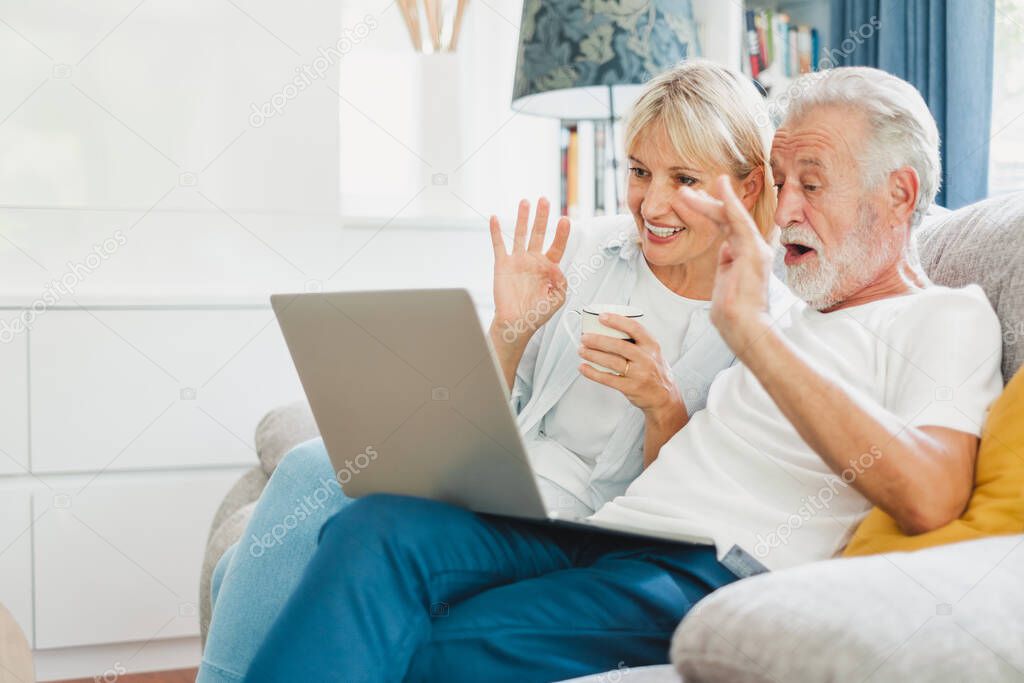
x=529, y=286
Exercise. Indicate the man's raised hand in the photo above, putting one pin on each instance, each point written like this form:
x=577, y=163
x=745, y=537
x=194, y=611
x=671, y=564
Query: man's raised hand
x=739, y=300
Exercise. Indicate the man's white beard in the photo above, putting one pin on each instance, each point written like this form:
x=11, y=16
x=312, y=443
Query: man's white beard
x=824, y=281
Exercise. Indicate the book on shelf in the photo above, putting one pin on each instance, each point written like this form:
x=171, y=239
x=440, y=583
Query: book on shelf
x=775, y=48
x=570, y=168
x=753, y=47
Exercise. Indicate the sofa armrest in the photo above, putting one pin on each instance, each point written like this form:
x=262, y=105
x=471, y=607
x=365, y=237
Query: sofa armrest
x=281, y=430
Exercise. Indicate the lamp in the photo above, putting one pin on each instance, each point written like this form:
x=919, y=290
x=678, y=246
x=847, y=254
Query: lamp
x=589, y=60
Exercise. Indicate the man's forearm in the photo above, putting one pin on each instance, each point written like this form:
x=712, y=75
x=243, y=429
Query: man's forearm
x=909, y=475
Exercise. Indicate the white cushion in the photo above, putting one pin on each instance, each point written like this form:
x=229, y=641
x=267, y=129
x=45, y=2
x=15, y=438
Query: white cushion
x=952, y=613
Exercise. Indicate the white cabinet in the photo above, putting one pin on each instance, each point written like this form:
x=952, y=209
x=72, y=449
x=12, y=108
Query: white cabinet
x=119, y=560
x=123, y=423
x=13, y=398
x=153, y=388
x=125, y=416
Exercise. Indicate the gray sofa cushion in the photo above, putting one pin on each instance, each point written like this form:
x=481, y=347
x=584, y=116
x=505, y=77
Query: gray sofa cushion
x=951, y=613
x=282, y=429
x=983, y=243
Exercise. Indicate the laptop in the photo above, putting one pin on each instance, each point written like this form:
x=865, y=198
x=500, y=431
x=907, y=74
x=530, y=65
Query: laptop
x=409, y=398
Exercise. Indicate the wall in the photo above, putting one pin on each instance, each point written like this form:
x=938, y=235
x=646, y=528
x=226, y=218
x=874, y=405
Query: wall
x=135, y=118
x=182, y=129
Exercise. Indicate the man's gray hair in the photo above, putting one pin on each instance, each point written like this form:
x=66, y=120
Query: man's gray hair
x=902, y=129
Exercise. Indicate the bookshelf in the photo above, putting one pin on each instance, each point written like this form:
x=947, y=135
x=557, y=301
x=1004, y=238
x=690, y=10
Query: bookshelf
x=815, y=13
x=788, y=37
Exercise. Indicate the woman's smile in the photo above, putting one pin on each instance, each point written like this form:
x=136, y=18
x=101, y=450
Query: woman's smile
x=662, y=234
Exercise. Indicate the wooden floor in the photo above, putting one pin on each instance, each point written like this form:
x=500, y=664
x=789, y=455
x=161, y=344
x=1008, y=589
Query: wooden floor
x=179, y=676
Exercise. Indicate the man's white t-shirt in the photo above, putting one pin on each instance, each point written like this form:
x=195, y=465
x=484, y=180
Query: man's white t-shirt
x=583, y=420
x=740, y=473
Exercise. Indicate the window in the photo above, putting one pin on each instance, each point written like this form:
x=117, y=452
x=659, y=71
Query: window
x=1006, y=156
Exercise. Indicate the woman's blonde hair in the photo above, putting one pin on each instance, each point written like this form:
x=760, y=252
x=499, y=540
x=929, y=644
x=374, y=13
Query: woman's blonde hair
x=711, y=115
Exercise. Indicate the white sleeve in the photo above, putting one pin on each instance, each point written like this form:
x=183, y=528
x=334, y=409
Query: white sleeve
x=944, y=369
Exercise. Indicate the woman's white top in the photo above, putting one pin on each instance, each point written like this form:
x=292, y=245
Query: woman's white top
x=583, y=420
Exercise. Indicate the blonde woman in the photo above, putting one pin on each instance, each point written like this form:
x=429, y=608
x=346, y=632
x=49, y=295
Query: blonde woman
x=690, y=125
x=589, y=433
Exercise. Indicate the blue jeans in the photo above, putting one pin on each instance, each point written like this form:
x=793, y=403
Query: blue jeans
x=254, y=578
x=409, y=589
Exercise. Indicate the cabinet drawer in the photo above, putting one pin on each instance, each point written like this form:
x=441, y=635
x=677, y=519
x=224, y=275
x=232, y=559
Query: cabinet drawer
x=120, y=560
x=137, y=389
x=13, y=397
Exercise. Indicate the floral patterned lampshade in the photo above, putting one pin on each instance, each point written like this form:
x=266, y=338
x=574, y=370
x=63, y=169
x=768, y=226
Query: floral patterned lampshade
x=575, y=56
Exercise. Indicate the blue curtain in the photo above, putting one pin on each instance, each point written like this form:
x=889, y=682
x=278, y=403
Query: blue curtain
x=945, y=49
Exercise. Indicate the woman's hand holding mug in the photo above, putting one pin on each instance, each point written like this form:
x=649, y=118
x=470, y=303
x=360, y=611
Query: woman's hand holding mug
x=641, y=374
x=529, y=286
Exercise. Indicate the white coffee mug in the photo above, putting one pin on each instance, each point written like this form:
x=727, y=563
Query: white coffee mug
x=589, y=324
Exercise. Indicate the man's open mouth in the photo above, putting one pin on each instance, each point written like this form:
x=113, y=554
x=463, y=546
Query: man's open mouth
x=797, y=253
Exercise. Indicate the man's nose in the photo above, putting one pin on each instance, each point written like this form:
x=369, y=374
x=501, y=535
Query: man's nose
x=790, y=208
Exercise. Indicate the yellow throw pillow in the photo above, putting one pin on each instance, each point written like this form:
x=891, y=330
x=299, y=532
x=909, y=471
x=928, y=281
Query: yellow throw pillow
x=997, y=504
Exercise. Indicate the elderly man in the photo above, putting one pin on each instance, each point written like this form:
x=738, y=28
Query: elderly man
x=873, y=392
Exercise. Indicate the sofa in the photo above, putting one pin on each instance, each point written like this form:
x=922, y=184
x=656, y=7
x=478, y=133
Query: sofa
x=949, y=613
